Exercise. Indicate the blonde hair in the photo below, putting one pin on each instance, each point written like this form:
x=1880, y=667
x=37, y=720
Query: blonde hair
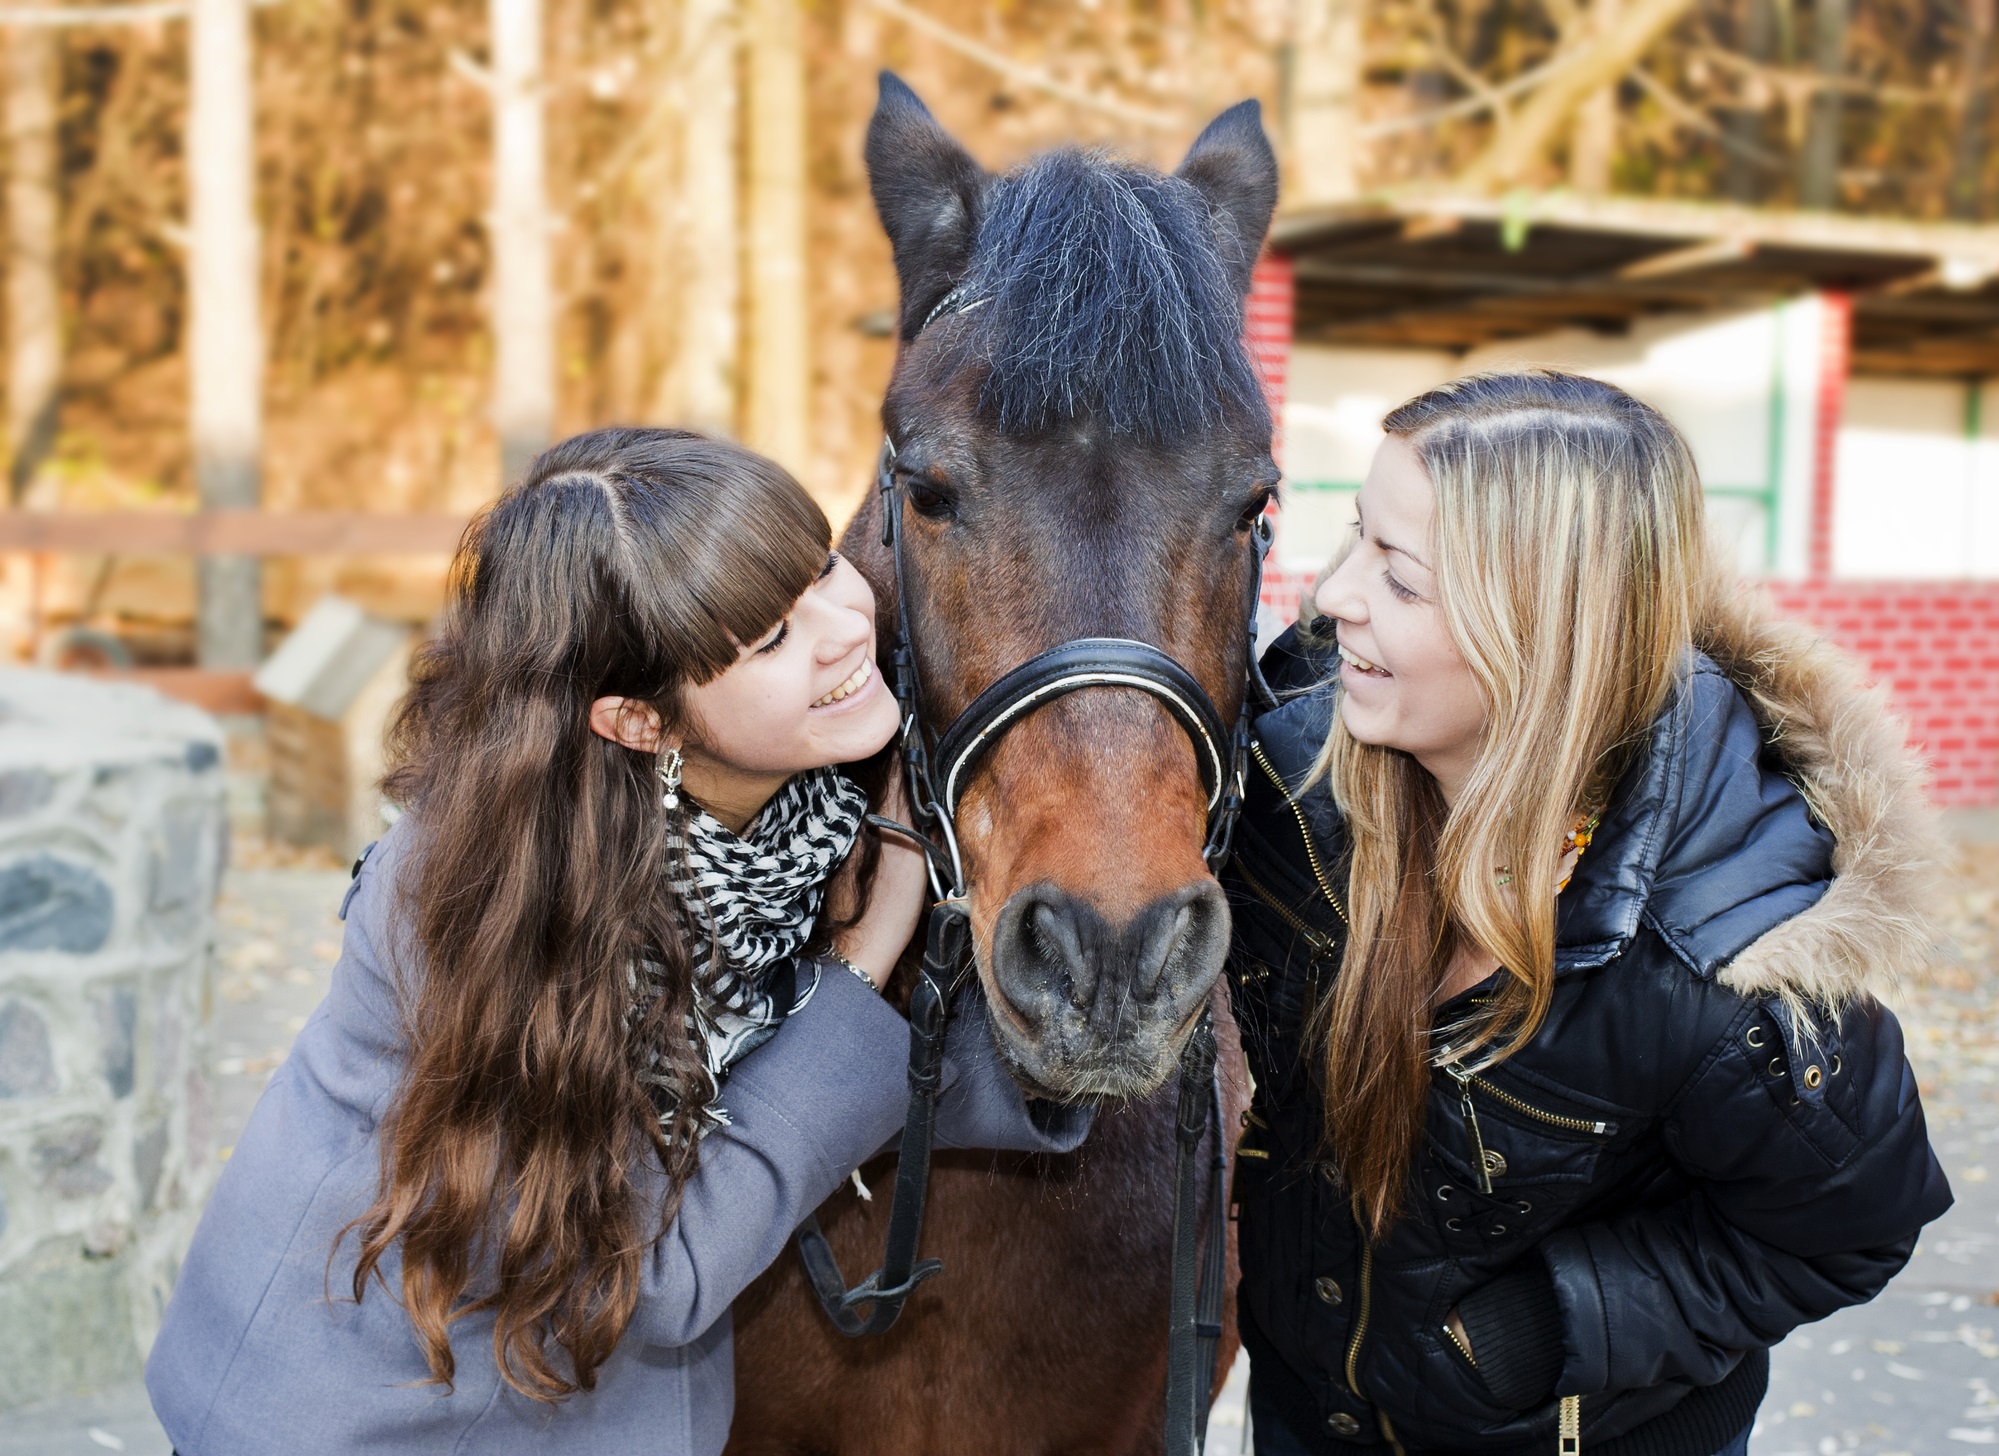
x=1569, y=549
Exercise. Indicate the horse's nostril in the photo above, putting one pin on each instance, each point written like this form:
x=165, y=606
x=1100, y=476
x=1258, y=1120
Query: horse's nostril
x=1054, y=954
x=1059, y=950
x=1160, y=941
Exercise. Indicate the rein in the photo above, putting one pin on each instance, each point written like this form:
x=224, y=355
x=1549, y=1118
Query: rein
x=936, y=775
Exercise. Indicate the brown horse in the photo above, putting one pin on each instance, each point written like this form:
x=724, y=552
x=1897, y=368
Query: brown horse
x=1083, y=446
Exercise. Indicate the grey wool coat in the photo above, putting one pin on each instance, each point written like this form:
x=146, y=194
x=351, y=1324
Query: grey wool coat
x=263, y=1348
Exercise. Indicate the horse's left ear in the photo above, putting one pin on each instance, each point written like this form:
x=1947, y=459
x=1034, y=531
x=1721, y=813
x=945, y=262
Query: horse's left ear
x=1232, y=165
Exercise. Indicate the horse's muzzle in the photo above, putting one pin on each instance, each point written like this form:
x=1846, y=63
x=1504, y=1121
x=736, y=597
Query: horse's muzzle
x=1094, y=1009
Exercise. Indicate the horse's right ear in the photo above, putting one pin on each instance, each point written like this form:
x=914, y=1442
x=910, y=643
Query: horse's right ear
x=927, y=191
x=1233, y=166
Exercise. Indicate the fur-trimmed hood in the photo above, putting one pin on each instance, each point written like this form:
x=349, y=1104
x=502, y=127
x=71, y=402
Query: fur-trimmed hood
x=1844, y=748
x=1774, y=831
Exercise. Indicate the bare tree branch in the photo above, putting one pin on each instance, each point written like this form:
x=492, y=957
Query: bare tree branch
x=1471, y=106
x=1808, y=83
x=1517, y=151
x=1014, y=71
x=1691, y=116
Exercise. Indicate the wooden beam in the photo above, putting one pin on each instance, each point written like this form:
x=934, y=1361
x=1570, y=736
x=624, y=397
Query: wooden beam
x=1970, y=244
x=1687, y=259
x=231, y=533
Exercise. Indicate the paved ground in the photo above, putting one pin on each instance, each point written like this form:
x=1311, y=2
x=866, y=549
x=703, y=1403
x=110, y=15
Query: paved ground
x=1915, y=1372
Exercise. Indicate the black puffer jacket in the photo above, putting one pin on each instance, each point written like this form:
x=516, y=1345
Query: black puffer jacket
x=1679, y=1176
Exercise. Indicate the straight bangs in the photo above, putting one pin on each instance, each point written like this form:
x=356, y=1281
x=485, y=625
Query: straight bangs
x=745, y=541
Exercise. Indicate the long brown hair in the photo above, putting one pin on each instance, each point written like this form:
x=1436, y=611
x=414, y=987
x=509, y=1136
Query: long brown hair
x=1570, y=546
x=628, y=562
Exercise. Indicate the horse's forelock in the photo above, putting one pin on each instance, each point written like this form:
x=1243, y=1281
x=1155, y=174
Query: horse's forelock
x=1101, y=292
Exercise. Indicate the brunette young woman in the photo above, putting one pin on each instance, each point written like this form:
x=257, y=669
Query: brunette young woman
x=592, y=1050
x=1560, y=900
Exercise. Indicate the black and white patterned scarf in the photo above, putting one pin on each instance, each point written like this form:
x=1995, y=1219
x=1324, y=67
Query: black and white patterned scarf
x=749, y=903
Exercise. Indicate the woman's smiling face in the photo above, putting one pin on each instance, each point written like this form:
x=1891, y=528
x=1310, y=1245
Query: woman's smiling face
x=1406, y=684
x=805, y=695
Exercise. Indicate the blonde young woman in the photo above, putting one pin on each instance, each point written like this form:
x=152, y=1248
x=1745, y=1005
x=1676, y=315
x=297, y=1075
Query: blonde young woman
x=1558, y=903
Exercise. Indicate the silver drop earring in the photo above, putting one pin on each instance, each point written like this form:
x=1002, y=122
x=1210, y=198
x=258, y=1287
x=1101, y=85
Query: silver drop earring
x=669, y=774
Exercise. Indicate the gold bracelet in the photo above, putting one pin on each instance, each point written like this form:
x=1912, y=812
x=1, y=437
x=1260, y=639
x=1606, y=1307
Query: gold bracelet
x=870, y=980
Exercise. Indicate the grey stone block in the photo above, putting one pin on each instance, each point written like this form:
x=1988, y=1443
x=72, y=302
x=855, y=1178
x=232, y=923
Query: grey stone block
x=149, y=1152
x=117, y=1023
x=65, y=1324
x=53, y=904
x=181, y=871
x=66, y=1159
x=27, y=1061
x=22, y=791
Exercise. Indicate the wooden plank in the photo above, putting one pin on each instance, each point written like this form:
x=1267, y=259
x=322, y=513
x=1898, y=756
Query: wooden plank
x=1690, y=258
x=231, y=533
x=214, y=689
x=1682, y=221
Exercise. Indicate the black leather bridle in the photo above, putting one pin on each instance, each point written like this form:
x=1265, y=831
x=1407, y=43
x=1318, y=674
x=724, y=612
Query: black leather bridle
x=936, y=774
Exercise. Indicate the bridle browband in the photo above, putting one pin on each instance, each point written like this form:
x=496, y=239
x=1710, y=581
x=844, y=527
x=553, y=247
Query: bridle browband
x=936, y=772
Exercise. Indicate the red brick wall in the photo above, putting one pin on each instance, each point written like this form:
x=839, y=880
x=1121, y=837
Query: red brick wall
x=1936, y=647
x=1267, y=323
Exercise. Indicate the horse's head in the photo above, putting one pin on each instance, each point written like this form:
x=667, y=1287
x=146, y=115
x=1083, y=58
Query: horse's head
x=1083, y=446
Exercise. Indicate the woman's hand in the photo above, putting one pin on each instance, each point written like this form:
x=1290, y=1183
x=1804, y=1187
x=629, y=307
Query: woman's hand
x=901, y=889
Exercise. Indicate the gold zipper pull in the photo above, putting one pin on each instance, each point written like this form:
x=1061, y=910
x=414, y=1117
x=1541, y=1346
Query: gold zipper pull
x=1570, y=1440
x=1481, y=1164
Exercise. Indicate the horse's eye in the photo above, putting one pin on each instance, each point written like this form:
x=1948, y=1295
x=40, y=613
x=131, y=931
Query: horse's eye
x=1258, y=504
x=927, y=498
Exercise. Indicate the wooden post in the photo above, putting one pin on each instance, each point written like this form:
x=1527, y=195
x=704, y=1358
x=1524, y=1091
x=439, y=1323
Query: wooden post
x=1967, y=188
x=225, y=344
x=34, y=314
x=1593, y=134
x=1818, y=165
x=522, y=299
x=1324, y=121
x=701, y=386
x=777, y=402
x=1741, y=178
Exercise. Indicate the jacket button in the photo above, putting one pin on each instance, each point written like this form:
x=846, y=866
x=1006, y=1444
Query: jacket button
x=1328, y=1289
x=1342, y=1424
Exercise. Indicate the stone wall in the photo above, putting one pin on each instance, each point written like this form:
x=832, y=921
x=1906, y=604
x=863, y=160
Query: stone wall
x=112, y=837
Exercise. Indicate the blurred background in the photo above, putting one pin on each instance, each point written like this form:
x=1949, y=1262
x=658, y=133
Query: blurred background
x=292, y=287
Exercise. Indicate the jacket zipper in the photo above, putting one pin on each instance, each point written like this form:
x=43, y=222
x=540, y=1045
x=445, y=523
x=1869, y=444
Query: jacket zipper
x=1388, y=1430
x=1366, y=1302
x=1317, y=939
x=1304, y=829
x=1480, y=1164
x=1554, y=1119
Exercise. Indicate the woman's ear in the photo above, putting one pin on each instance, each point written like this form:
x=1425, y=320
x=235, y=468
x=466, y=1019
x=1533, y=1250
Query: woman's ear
x=627, y=722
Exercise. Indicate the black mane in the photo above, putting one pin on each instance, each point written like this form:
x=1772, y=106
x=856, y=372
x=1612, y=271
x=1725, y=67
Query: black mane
x=1097, y=289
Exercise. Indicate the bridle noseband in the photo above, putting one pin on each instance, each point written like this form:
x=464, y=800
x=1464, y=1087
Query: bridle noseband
x=937, y=771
